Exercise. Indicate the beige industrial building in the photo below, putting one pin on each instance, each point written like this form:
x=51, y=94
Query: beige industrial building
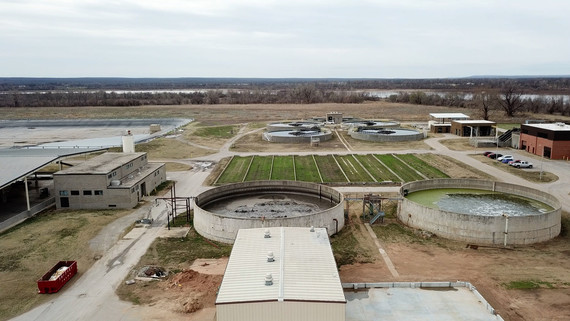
x=110, y=180
x=281, y=274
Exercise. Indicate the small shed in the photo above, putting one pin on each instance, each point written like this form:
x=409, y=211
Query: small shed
x=279, y=274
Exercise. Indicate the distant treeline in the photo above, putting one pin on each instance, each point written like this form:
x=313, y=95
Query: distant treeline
x=528, y=84
x=304, y=94
x=508, y=99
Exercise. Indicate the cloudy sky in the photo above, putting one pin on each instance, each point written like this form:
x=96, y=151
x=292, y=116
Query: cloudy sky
x=284, y=38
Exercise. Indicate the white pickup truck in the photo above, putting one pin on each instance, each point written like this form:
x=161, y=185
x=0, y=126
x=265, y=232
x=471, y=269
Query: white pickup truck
x=522, y=164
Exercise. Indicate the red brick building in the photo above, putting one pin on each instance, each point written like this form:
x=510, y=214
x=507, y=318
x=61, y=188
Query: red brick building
x=548, y=140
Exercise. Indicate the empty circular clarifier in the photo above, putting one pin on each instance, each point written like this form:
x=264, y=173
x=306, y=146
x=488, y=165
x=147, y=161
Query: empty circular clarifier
x=380, y=134
x=480, y=211
x=220, y=212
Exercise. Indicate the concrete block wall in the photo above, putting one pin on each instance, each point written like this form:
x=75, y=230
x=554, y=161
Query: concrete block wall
x=224, y=228
x=480, y=229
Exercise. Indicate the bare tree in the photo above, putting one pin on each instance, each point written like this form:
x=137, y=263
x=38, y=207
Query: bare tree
x=510, y=99
x=485, y=102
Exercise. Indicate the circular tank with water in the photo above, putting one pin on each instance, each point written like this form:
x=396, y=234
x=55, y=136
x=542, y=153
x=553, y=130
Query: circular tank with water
x=480, y=211
x=369, y=123
x=382, y=134
x=295, y=125
x=220, y=212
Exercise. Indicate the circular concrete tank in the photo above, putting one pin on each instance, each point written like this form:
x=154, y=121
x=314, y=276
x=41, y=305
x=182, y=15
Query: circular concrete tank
x=377, y=134
x=223, y=225
x=298, y=136
x=522, y=227
x=280, y=126
x=369, y=123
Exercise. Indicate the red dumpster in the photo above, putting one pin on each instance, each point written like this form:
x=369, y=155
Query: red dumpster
x=57, y=276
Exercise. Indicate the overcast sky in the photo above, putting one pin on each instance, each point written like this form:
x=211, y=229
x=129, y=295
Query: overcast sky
x=285, y=38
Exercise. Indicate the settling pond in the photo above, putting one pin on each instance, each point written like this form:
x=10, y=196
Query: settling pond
x=478, y=202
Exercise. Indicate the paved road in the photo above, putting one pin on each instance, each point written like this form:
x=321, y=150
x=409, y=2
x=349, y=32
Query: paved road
x=92, y=297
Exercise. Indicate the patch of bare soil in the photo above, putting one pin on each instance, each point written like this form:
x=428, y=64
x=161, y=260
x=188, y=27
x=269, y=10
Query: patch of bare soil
x=452, y=167
x=489, y=269
x=182, y=293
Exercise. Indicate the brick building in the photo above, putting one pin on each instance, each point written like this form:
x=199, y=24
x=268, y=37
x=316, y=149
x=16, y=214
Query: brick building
x=548, y=140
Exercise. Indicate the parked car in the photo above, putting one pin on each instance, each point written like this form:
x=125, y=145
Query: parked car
x=506, y=160
x=493, y=155
x=513, y=160
x=501, y=158
x=521, y=164
x=487, y=153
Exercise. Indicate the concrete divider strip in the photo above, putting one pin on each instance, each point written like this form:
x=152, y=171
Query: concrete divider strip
x=385, y=256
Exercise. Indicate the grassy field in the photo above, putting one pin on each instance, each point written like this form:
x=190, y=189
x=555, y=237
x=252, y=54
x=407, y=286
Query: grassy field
x=377, y=169
x=352, y=169
x=30, y=249
x=235, y=172
x=283, y=168
x=358, y=168
x=260, y=168
x=422, y=167
x=329, y=169
x=396, y=165
x=306, y=169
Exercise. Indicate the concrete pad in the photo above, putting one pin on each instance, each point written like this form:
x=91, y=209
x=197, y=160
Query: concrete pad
x=174, y=232
x=443, y=304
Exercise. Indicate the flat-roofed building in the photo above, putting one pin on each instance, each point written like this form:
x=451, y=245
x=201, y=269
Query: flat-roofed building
x=472, y=127
x=281, y=273
x=548, y=140
x=441, y=122
x=110, y=180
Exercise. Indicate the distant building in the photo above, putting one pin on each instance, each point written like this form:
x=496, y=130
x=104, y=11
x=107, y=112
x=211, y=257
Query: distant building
x=548, y=140
x=281, y=274
x=334, y=117
x=441, y=122
x=474, y=128
x=110, y=180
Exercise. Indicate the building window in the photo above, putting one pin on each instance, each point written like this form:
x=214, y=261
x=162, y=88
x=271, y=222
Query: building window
x=98, y=192
x=87, y=192
x=63, y=193
x=132, y=190
x=112, y=205
x=74, y=192
x=110, y=176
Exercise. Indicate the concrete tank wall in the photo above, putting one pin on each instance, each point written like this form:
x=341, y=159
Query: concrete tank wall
x=526, y=229
x=385, y=138
x=224, y=228
x=323, y=136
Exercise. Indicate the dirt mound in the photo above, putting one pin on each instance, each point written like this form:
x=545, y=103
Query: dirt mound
x=190, y=290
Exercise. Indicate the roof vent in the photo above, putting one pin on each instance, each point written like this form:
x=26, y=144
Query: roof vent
x=268, y=279
x=312, y=229
x=267, y=234
x=270, y=256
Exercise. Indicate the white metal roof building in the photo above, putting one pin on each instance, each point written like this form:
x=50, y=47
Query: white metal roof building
x=301, y=283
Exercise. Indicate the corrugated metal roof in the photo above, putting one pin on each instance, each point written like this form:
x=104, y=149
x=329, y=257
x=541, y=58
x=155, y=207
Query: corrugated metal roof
x=473, y=121
x=304, y=268
x=16, y=163
x=102, y=164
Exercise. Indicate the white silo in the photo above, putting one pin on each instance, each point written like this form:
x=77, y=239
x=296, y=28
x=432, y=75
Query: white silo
x=128, y=142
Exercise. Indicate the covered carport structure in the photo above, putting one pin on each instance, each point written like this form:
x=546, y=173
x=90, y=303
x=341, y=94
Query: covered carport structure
x=17, y=165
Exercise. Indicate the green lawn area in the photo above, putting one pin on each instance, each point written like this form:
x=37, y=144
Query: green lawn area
x=217, y=131
x=352, y=169
x=235, y=171
x=422, y=167
x=306, y=169
x=259, y=169
x=329, y=169
x=283, y=168
x=406, y=173
x=379, y=171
